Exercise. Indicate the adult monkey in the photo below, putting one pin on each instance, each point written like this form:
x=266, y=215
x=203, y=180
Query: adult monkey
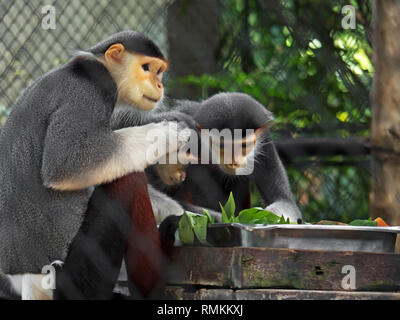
x=205, y=185
x=57, y=144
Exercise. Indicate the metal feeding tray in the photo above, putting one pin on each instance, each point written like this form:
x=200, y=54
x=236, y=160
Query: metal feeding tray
x=304, y=236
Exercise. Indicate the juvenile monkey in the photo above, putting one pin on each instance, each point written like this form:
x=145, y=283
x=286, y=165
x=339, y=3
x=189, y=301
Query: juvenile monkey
x=205, y=185
x=58, y=143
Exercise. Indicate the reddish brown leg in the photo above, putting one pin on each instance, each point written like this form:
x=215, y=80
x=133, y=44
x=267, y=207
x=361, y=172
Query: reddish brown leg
x=143, y=254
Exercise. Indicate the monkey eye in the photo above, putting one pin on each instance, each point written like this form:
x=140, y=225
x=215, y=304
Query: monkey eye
x=145, y=67
x=159, y=71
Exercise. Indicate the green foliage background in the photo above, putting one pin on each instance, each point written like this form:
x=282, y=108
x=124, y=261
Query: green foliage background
x=296, y=58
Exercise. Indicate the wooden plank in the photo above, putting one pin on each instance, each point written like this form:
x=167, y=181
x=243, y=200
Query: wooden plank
x=180, y=293
x=283, y=268
x=282, y=294
x=195, y=267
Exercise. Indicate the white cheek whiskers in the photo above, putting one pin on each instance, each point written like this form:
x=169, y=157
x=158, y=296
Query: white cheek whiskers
x=259, y=152
x=255, y=156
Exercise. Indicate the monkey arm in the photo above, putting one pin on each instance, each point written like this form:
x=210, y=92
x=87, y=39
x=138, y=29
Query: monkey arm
x=163, y=206
x=80, y=150
x=272, y=183
x=124, y=117
x=187, y=106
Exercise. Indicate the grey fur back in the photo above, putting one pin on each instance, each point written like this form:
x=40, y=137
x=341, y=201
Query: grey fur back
x=41, y=142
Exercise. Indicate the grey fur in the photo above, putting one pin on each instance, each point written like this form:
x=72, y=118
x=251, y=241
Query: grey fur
x=46, y=138
x=59, y=128
x=240, y=111
x=126, y=116
x=225, y=110
x=6, y=290
x=132, y=41
x=163, y=206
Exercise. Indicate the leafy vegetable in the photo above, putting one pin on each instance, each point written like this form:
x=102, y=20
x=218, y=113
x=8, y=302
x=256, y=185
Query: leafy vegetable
x=254, y=216
x=260, y=216
x=207, y=214
x=186, y=233
x=192, y=224
x=364, y=223
x=228, y=210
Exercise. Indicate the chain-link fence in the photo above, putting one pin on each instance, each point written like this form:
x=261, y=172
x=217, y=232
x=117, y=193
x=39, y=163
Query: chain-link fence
x=27, y=50
x=293, y=56
x=299, y=61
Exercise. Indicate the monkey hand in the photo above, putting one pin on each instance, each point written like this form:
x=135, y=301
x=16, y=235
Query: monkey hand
x=144, y=146
x=167, y=137
x=179, y=131
x=178, y=116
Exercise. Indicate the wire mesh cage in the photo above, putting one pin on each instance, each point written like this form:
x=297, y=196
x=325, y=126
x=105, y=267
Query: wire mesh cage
x=293, y=56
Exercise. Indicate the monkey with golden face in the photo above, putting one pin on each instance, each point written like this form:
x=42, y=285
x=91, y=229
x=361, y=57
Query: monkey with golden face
x=138, y=77
x=61, y=140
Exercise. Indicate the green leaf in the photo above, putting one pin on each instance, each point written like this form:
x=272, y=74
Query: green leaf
x=224, y=218
x=364, y=223
x=228, y=210
x=192, y=224
x=235, y=219
x=282, y=220
x=230, y=207
x=207, y=214
x=250, y=211
x=253, y=215
x=186, y=234
x=200, y=228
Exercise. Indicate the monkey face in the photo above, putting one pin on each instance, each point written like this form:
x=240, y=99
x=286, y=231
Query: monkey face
x=144, y=86
x=236, y=155
x=138, y=77
x=171, y=174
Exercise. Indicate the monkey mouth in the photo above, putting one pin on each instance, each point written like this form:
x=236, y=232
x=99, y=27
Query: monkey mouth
x=233, y=166
x=150, y=99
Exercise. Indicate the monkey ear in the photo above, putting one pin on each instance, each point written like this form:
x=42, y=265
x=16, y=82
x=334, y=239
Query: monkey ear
x=115, y=53
x=261, y=130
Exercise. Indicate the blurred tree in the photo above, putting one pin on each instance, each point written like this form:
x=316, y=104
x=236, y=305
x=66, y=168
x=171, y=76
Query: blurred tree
x=385, y=136
x=192, y=41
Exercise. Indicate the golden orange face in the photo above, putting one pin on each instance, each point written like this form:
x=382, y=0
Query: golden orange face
x=138, y=77
x=145, y=76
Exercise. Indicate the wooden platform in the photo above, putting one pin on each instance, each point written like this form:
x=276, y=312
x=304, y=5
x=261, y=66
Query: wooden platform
x=261, y=273
x=179, y=293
